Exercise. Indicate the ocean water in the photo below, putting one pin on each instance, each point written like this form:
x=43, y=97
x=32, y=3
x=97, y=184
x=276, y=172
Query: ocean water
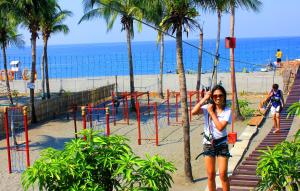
x=109, y=59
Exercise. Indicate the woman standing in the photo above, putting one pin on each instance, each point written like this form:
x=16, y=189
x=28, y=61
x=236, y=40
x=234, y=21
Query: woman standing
x=215, y=147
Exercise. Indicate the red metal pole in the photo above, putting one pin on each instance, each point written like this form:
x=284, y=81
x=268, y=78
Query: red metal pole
x=168, y=106
x=135, y=99
x=124, y=111
x=90, y=115
x=7, y=138
x=113, y=107
x=233, y=89
x=156, y=124
x=139, y=122
x=26, y=135
x=83, y=119
x=107, y=122
x=177, y=94
x=74, y=117
x=127, y=113
x=190, y=94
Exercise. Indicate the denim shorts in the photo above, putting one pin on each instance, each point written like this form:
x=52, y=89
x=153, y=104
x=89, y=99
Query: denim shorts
x=215, y=151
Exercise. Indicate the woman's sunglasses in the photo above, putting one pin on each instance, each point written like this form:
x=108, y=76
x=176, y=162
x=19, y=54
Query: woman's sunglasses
x=218, y=96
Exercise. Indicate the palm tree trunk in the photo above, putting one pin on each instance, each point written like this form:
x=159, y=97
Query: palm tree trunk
x=6, y=75
x=47, y=68
x=184, y=106
x=199, y=61
x=216, y=61
x=43, y=68
x=130, y=68
x=162, y=52
x=237, y=112
x=232, y=19
x=33, y=69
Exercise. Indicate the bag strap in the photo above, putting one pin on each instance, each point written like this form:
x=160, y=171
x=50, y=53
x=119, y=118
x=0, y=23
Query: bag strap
x=209, y=126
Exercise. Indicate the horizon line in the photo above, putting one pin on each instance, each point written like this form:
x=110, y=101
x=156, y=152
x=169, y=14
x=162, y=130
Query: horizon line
x=145, y=41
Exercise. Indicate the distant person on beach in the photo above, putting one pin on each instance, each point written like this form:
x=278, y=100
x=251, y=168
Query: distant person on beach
x=276, y=97
x=278, y=57
x=215, y=145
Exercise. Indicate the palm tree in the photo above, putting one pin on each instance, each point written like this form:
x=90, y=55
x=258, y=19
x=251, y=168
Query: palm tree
x=180, y=18
x=200, y=51
x=110, y=10
x=30, y=11
x=154, y=12
x=51, y=23
x=219, y=6
x=248, y=4
x=8, y=37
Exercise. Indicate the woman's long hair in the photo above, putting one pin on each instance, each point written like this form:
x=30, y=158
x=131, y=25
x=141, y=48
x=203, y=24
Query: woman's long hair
x=221, y=88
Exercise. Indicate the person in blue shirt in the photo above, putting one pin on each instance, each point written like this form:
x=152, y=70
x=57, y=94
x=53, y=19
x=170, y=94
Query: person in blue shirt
x=276, y=98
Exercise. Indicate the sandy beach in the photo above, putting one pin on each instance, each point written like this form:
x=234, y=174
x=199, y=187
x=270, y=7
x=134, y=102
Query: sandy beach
x=246, y=82
x=55, y=132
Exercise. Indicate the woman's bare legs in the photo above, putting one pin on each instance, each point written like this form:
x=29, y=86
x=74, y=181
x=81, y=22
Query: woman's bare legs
x=210, y=164
x=223, y=167
x=278, y=121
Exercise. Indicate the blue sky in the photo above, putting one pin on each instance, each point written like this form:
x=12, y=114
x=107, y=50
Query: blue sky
x=277, y=18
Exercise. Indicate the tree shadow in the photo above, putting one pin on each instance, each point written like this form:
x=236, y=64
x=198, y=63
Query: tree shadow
x=49, y=141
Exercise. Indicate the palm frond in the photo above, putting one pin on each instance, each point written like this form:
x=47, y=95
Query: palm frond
x=88, y=5
x=8, y=26
x=109, y=10
x=254, y=5
x=111, y=21
x=60, y=28
x=214, y=5
x=16, y=41
x=90, y=15
x=153, y=11
x=179, y=14
x=61, y=16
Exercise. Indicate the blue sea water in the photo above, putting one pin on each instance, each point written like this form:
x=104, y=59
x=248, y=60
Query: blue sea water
x=109, y=59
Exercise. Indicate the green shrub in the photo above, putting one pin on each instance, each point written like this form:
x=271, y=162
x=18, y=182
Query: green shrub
x=245, y=109
x=279, y=168
x=294, y=109
x=99, y=163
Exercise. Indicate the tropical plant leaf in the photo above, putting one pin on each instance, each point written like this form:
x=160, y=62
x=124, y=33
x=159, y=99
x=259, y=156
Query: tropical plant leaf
x=100, y=163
